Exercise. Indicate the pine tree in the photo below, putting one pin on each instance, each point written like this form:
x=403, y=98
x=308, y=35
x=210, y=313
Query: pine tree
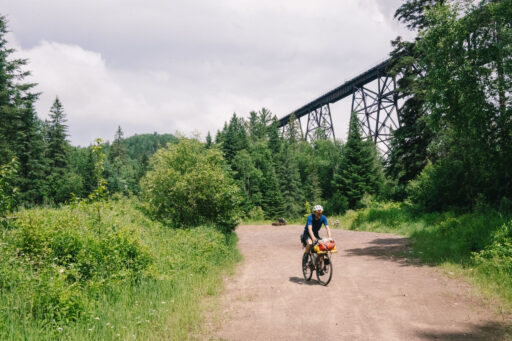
x=58, y=148
x=359, y=170
x=235, y=138
x=62, y=182
x=20, y=131
x=209, y=141
x=289, y=177
x=118, y=149
x=409, y=145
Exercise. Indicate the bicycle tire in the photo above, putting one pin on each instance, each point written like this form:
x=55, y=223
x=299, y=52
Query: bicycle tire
x=307, y=269
x=324, y=275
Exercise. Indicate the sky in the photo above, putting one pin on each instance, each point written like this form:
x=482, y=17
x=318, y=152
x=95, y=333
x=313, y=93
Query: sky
x=185, y=67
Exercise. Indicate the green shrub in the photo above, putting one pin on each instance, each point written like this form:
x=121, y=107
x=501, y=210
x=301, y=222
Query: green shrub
x=256, y=214
x=188, y=186
x=7, y=190
x=438, y=187
x=338, y=204
x=480, y=241
x=65, y=275
x=63, y=256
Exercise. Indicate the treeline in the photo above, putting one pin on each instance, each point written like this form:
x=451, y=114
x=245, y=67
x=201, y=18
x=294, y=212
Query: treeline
x=278, y=173
x=40, y=165
x=454, y=149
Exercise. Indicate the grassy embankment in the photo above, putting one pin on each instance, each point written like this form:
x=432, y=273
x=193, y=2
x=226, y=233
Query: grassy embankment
x=106, y=272
x=476, y=246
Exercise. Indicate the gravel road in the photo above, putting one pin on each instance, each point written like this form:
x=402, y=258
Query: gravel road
x=375, y=294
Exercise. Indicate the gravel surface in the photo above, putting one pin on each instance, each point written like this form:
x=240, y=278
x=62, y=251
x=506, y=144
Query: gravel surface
x=375, y=294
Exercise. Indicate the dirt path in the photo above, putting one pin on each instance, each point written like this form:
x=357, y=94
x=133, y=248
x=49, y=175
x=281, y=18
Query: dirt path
x=375, y=294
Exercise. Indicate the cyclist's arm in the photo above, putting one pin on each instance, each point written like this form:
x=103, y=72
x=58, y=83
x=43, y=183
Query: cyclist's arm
x=327, y=227
x=328, y=231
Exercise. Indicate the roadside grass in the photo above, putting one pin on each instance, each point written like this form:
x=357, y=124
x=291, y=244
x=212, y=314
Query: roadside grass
x=476, y=245
x=146, y=281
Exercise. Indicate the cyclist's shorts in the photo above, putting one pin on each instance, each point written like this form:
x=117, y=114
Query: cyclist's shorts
x=305, y=236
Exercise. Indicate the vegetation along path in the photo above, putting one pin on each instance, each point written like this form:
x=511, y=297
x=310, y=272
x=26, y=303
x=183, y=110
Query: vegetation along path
x=376, y=294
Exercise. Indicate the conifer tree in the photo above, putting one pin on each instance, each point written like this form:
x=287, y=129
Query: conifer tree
x=62, y=182
x=235, y=138
x=118, y=148
x=209, y=141
x=20, y=130
x=289, y=177
x=58, y=149
x=359, y=170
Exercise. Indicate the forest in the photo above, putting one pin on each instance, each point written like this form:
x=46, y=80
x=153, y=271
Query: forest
x=76, y=222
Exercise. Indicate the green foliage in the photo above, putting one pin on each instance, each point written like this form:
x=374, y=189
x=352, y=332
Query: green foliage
x=479, y=242
x=7, y=190
x=100, y=192
x=57, y=150
x=188, y=186
x=59, y=280
x=256, y=214
x=63, y=260
x=465, y=84
x=360, y=172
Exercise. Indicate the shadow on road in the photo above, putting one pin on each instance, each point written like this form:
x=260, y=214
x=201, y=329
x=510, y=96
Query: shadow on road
x=302, y=281
x=393, y=249
x=487, y=331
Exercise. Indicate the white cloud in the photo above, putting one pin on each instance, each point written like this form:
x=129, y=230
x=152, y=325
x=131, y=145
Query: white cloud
x=165, y=65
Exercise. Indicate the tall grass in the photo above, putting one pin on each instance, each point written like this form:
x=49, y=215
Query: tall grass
x=146, y=281
x=479, y=244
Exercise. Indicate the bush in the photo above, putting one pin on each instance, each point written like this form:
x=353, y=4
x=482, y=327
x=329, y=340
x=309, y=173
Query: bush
x=338, y=204
x=189, y=186
x=256, y=214
x=65, y=275
x=61, y=254
x=438, y=187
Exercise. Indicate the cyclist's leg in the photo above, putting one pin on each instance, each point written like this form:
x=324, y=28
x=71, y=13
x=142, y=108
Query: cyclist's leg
x=308, y=245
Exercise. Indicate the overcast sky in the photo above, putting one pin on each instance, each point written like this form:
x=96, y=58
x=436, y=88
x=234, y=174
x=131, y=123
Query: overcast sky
x=187, y=66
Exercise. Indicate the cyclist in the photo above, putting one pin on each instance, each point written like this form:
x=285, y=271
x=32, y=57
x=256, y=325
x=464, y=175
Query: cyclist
x=313, y=225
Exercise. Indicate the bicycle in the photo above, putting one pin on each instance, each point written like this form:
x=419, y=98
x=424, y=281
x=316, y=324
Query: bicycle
x=319, y=261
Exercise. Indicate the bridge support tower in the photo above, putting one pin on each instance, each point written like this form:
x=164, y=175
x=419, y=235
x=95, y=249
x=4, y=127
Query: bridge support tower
x=377, y=111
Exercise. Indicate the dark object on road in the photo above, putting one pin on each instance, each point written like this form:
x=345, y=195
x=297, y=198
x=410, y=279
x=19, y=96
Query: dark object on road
x=280, y=222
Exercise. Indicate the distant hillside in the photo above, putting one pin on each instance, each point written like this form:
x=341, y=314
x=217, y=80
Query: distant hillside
x=148, y=144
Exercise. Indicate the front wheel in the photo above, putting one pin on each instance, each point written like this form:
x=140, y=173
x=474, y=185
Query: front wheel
x=307, y=266
x=324, y=269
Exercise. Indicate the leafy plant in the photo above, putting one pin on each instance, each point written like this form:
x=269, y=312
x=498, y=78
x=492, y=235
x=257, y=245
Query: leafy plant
x=189, y=186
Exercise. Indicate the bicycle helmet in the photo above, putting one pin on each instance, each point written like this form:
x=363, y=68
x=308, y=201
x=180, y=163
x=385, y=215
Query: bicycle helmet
x=318, y=208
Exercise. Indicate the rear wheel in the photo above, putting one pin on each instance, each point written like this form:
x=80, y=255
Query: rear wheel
x=324, y=269
x=307, y=266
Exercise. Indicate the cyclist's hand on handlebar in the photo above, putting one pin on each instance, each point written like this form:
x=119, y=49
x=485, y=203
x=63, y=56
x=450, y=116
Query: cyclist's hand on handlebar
x=314, y=240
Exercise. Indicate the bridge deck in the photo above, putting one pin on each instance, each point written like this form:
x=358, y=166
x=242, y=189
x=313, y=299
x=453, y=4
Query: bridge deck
x=344, y=90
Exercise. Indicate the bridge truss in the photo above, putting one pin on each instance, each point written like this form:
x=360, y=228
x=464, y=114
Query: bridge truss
x=374, y=100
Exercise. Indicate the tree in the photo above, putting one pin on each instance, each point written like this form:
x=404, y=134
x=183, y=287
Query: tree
x=209, y=141
x=359, y=171
x=289, y=177
x=118, y=148
x=413, y=12
x=58, y=146
x=235, y=138
x=188, y=186
x=62, y=182
x=409, y=145
x=20, y=131
x=464, y=53
x=259, y=123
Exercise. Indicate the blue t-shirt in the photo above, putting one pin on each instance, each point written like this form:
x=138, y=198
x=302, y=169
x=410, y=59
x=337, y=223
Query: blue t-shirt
x=316, y=224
